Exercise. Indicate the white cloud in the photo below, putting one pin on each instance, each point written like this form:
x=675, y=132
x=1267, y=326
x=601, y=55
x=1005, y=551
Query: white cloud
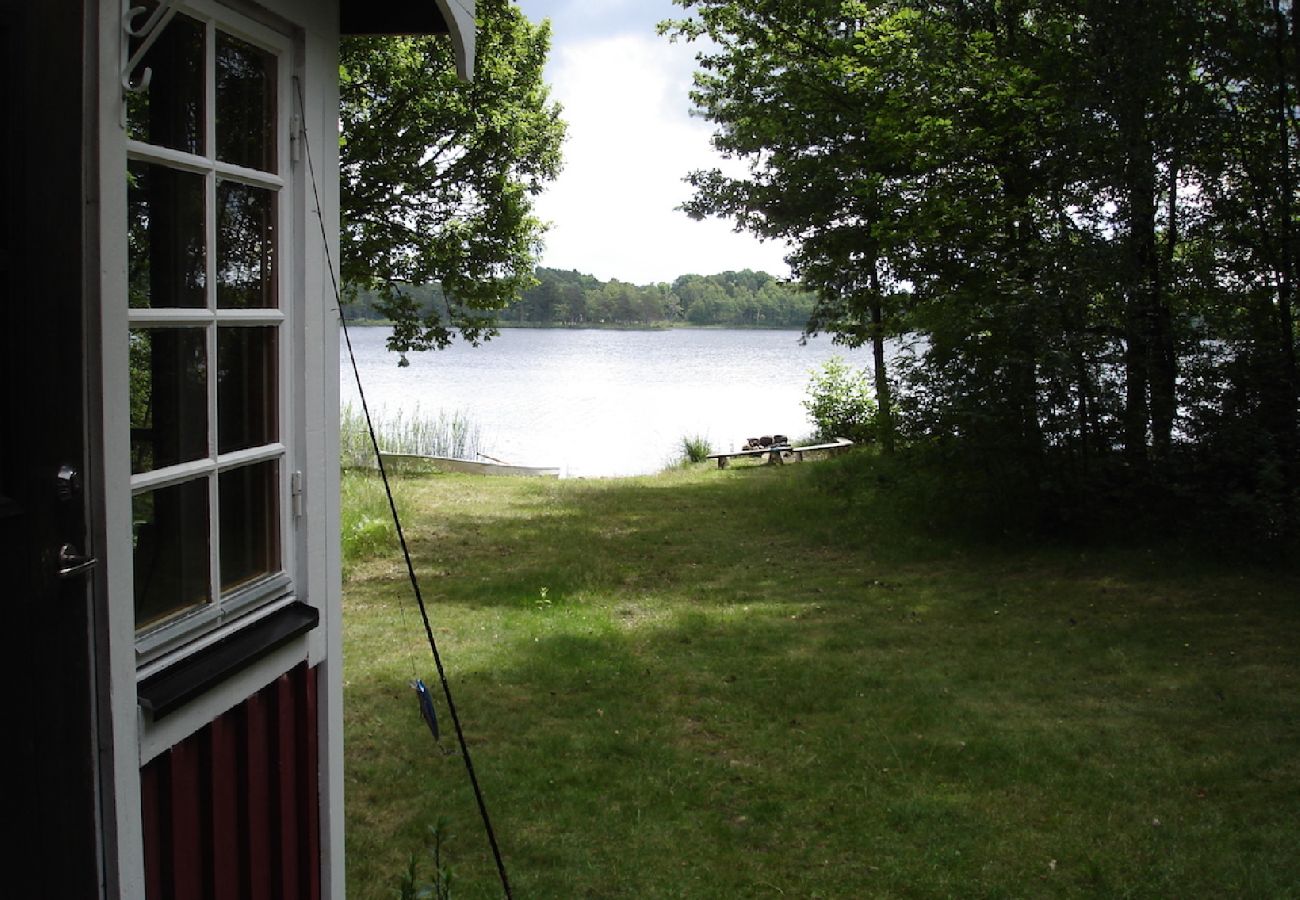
x=631, y=142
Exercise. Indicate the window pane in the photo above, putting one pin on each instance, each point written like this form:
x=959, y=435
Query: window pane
x=245, y=104
x=246, y=387
x=169, y=397
x=250, y=533
x=165, y=237
x=245, y=247
x=169, y=530
x=169, y=112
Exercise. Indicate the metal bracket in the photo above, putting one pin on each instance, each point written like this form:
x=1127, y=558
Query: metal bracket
x=148, y=32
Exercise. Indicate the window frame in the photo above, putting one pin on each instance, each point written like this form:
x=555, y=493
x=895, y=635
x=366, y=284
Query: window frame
x=189, y=631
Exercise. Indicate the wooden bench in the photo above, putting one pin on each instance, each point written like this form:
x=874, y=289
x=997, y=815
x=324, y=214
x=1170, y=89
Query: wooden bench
x=774, y=452
x=839, y=445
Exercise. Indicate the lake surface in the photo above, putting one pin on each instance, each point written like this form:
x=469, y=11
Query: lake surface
x=602, y=403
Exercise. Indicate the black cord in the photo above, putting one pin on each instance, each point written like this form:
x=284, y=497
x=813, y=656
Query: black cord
x=397, y=520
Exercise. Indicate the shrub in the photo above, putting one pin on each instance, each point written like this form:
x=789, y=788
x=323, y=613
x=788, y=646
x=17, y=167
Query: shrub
x=840, y=402
x=366, y=527
x=695, y=448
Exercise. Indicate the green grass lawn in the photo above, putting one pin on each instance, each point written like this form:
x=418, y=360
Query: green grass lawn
x=730, y=684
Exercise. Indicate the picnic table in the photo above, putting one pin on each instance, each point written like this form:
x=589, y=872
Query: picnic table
x=775, y=452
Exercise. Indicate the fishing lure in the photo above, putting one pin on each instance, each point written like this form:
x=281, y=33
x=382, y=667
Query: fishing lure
x=426, y=707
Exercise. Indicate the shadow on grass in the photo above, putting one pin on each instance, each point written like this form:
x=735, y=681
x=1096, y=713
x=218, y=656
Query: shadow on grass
x=727, y=690
x=721, y=535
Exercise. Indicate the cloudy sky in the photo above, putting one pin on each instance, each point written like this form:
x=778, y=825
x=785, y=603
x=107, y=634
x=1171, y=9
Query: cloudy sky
x=630, y=143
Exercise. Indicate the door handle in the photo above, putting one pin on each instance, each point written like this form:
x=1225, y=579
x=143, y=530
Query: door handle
x=72, y=563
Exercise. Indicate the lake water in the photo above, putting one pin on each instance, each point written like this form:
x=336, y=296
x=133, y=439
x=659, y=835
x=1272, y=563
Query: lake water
x=601, y=403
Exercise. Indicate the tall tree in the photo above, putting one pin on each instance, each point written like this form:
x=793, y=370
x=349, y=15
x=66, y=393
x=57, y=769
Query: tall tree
x=778, y=81
x=1246, y=242
x=439, y=175
x=1084, y=208
x=898, y=146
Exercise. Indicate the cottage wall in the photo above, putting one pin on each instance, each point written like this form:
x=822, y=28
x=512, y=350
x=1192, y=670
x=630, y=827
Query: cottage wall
x=171, y=777
x=173, y=742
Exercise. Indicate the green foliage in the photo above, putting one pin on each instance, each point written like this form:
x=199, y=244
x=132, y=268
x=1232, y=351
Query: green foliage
x=355, y=447
x=440, y=888
x=733, y=299
x=695, y=448
x=366, y=305
x=439, y=175
x=366, y=521
x=744, y=299
x=840, y=402
x=1083, y=213
x=446, y=434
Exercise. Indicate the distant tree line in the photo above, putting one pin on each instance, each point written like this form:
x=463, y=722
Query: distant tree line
x=369, y=305
x=744, y=299
x=737, y=299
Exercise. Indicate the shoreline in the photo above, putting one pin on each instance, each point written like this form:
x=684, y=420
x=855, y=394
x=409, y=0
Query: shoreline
x=598, y=326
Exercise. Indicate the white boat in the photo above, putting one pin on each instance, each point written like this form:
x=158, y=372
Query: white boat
x=467, y=466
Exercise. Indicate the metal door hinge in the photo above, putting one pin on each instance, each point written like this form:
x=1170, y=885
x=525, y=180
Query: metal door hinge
x=295, y=494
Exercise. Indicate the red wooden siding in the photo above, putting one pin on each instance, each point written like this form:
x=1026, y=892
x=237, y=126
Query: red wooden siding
x=233, y=811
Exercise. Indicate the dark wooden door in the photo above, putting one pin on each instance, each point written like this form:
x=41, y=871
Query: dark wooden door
x=46, y=678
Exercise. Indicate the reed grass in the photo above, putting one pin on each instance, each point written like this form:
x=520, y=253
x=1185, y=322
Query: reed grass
x=444, y=434
x=695, y=448
x=366, y=526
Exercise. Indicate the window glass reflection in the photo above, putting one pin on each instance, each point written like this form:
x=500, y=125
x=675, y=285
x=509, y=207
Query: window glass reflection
x=169, y=534
x=245, y=104
x=245, y=247
x=169, y=112
x=165, y=241
x=169, y=397
x=250, y=533
x=246, y=387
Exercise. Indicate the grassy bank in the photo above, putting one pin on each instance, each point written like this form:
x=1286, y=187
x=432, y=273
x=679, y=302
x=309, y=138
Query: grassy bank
x=730, y=684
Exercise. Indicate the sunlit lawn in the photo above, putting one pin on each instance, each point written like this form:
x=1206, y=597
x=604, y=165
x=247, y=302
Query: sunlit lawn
x=724, y=684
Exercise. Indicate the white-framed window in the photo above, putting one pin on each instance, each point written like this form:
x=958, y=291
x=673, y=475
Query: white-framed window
x=211, y=313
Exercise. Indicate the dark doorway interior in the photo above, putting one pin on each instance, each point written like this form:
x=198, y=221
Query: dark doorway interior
x=46, y=683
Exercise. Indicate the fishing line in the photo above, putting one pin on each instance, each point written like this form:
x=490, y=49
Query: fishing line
x=425, y=700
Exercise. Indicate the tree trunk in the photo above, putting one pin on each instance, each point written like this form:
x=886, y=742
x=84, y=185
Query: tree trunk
x=1084, y=406
x=1161, y=366
x=1295, y=44
x=1164, y=369
x=884, y=399
x=1018, y=180
x=1289, y=382
x=1147, y=358
x=1135, y=387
